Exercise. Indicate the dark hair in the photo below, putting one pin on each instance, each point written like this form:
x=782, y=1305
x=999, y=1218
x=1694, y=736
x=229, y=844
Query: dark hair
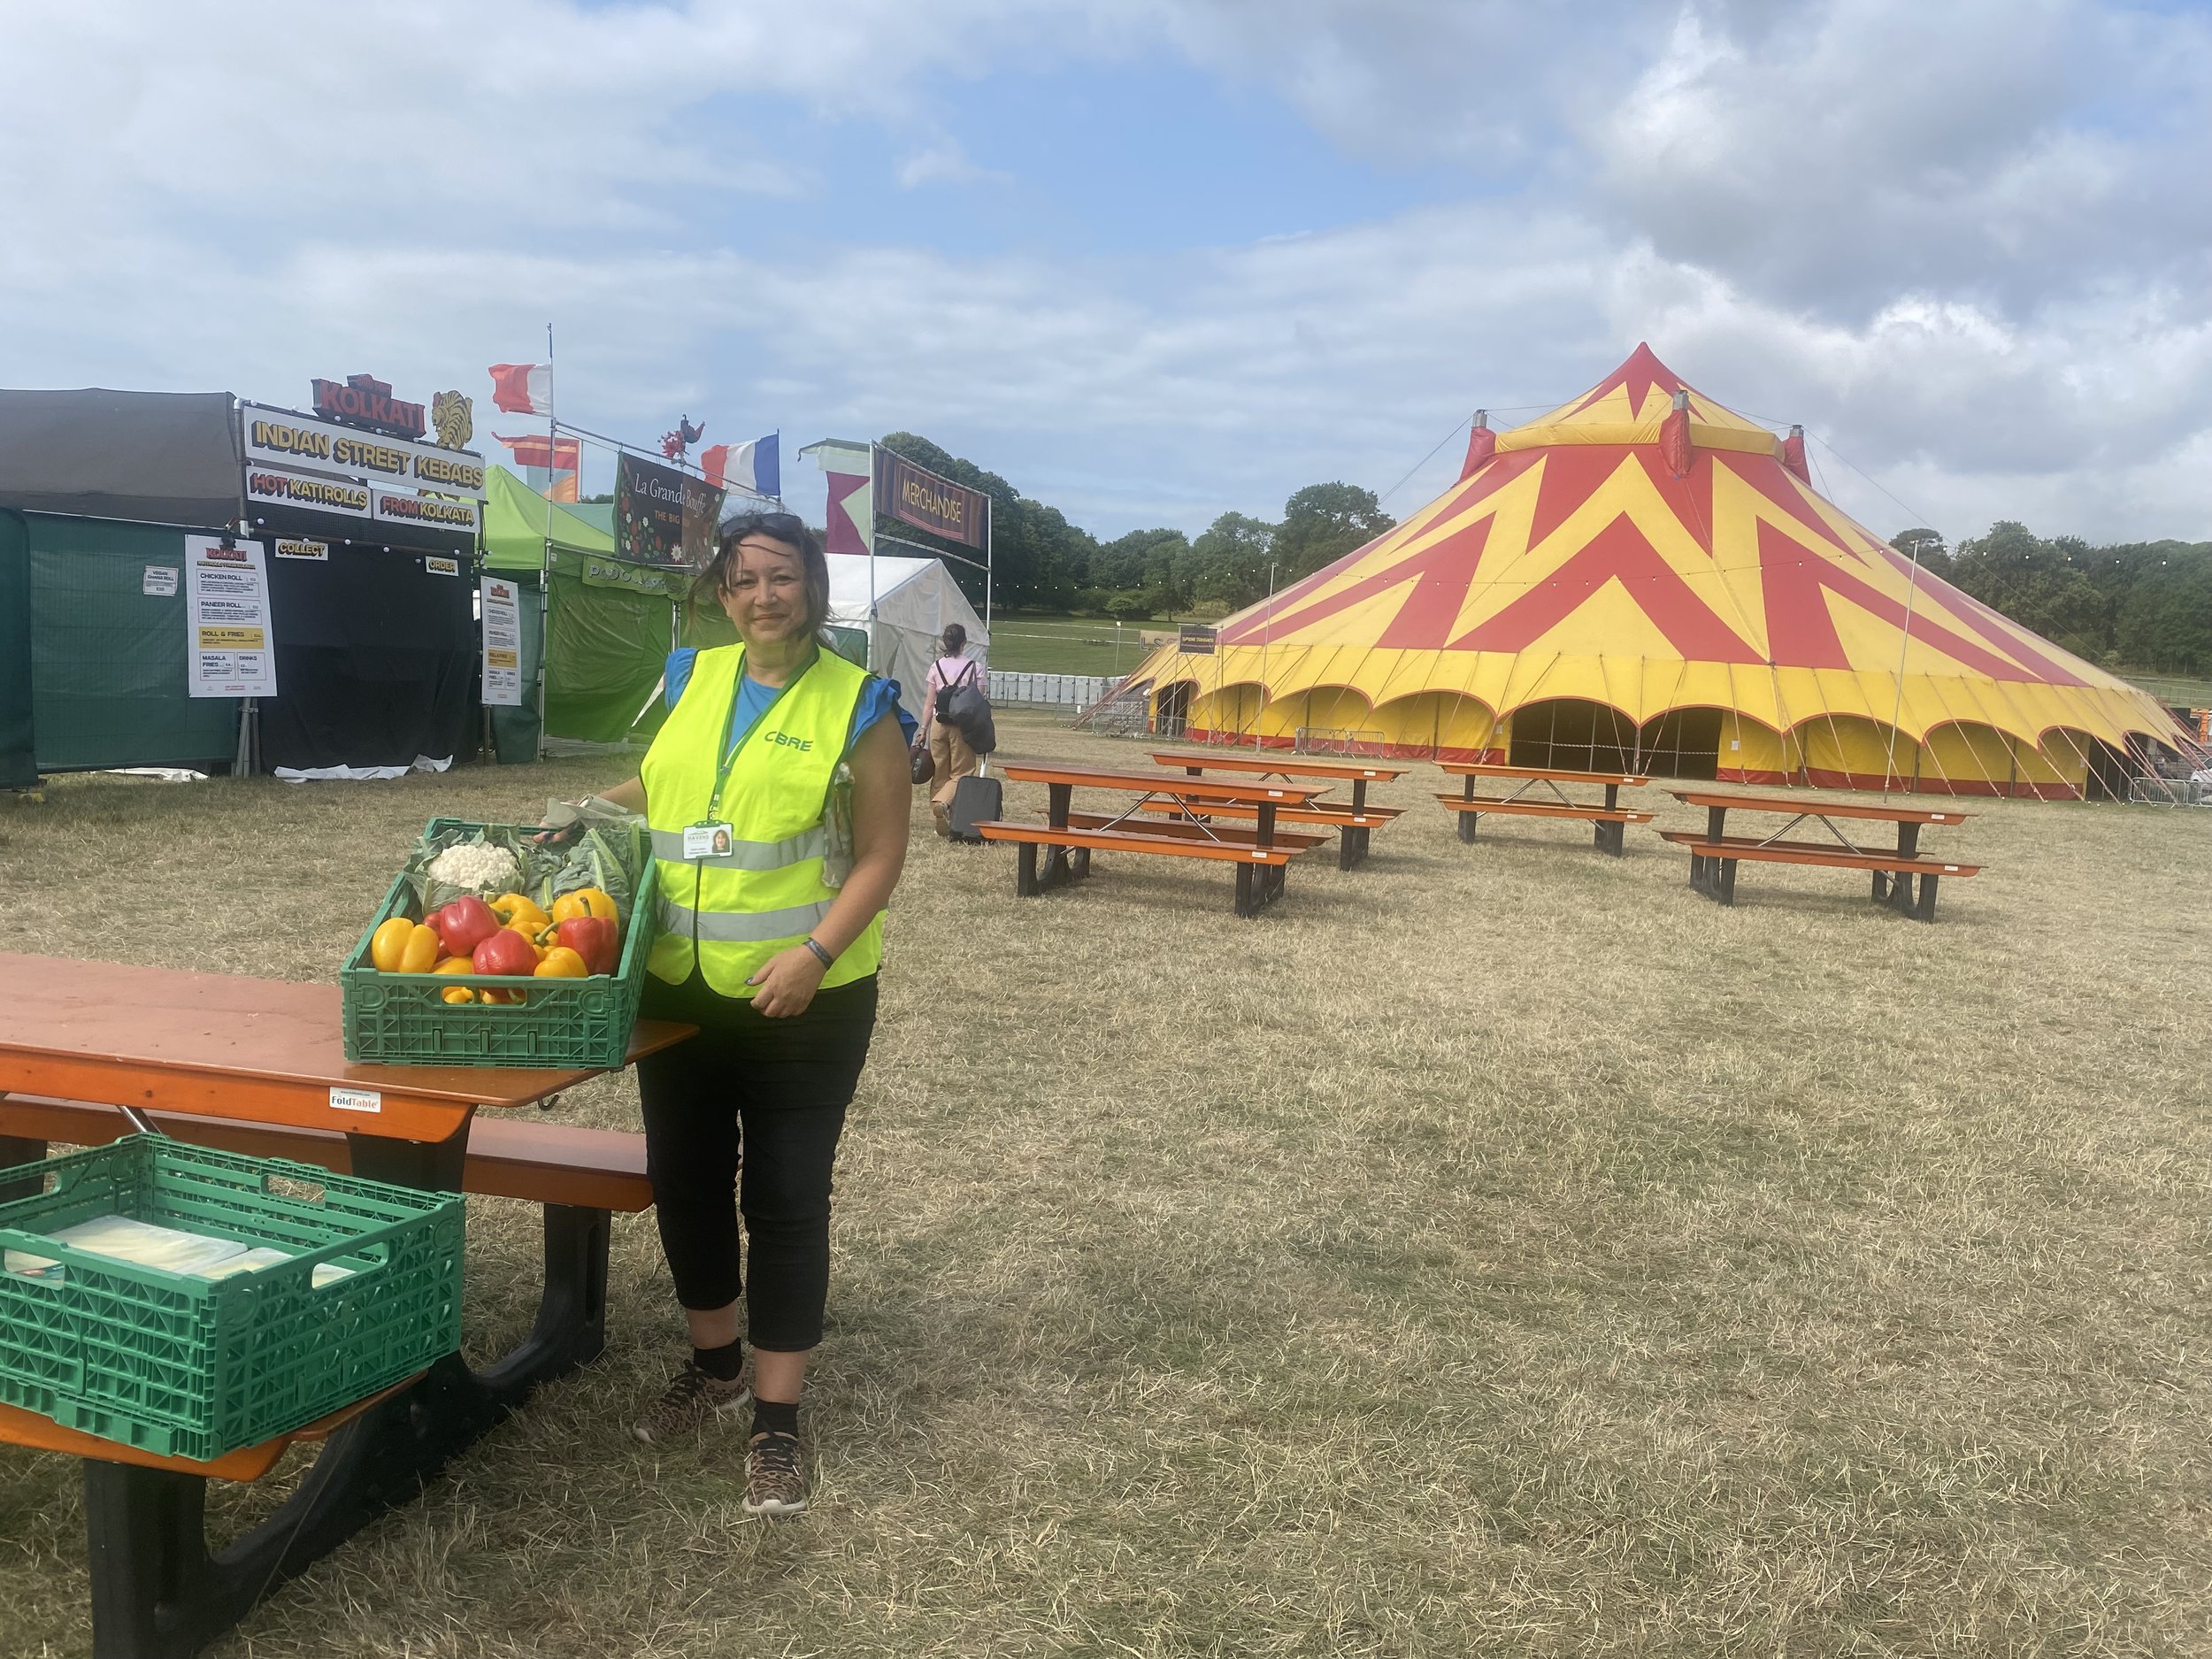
x=792, y=531
x=955, y=639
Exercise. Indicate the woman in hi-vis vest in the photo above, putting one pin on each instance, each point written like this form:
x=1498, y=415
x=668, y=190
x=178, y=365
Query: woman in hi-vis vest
x=773, y=957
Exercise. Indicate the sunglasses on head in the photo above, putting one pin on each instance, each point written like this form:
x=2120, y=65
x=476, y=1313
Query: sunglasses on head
x=785, y=527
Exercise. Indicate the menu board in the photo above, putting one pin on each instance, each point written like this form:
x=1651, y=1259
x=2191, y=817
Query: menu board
x=229, y=650
x=502, y=644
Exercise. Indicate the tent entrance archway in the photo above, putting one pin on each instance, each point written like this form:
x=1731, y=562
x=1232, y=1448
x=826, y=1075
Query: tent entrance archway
x=1571, y=734
x=1680, y=743
x=1173, y=715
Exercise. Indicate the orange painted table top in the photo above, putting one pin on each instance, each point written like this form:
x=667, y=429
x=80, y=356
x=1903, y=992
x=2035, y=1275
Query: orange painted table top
x=1278, y=766
x=1539, y=774
x=19, y=1428
x=1172, y=783
x=225, y=1046
x=1811, y=805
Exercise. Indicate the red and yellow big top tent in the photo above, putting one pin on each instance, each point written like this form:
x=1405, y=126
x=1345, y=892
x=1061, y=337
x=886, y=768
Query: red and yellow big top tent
x=1643, y=577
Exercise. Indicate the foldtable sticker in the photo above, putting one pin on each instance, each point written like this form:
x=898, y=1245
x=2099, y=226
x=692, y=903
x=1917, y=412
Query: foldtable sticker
x=356, y=1100
x=159, y=582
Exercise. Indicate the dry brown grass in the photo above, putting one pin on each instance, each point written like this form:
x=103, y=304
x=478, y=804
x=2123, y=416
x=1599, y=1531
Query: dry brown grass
x=1495, y=1249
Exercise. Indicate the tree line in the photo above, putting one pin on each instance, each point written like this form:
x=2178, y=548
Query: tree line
x=1041, y=562
x=2144, y=605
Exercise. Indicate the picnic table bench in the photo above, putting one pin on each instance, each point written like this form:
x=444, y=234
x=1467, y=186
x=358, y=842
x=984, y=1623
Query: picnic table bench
x=1608, y=821
x=1354, y=826
x=259, y=1066
x=1714, y=853
x=1068, y=847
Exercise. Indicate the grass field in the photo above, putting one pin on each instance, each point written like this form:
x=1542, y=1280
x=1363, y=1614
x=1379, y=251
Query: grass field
x=1069, y=645
x=1495, y=1249
x=2178, y=689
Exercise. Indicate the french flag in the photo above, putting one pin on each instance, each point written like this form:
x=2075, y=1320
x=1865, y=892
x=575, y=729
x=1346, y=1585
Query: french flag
x=755, y=467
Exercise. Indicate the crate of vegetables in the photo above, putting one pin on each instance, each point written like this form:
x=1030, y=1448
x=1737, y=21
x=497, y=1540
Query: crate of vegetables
x=493, y=947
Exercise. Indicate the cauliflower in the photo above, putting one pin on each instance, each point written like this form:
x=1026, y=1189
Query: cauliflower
x=476, y=867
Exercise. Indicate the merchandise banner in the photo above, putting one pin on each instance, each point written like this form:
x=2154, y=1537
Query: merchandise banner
x=281, y=438
x=662, y=516
x=230, y=651
x=502, y=644
x=915, y=495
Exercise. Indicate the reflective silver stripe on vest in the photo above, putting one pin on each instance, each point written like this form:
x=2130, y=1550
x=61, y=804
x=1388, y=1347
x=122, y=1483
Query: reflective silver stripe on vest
x=742, y=927
x=756, y=856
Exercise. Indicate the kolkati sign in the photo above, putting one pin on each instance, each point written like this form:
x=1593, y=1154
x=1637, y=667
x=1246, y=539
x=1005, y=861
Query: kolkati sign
x=915, y=495
x=280, y=438
x=362, y=400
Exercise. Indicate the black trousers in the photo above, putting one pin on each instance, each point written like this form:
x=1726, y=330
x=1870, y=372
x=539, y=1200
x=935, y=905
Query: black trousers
x=766, y=1097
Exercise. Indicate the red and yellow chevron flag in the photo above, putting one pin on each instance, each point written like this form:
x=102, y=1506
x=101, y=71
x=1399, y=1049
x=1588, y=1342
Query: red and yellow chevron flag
x=1642, y=577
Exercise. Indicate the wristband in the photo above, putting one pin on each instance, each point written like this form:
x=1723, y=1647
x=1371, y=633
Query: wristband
x=822, y=955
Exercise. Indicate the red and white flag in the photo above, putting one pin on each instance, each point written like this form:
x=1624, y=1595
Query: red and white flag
x=523, y=389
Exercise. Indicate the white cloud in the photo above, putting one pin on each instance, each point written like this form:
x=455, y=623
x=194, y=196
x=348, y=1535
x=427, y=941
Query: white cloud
x=1919, y=232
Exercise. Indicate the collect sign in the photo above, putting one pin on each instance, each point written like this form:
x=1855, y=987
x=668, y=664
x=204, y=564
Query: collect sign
x=277, y=437
x=229, y=650
x=502, y=644
x=914, y=496
x=662, y=516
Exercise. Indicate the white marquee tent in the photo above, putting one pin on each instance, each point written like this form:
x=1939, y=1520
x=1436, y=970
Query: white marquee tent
x=914, y=599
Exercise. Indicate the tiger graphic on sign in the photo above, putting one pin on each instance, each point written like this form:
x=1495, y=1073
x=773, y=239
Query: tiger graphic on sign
x=454, y=416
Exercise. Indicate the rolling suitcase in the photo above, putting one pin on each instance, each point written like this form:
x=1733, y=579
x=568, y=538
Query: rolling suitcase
x=976, y=799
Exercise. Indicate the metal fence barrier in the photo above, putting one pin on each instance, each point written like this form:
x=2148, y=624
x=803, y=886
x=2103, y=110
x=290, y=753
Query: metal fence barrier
x=1063, y=691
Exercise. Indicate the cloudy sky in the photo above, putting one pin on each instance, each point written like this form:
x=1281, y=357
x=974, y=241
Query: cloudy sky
x=1156, y=259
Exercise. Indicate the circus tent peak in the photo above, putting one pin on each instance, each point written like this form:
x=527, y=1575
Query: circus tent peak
x=1646, y=567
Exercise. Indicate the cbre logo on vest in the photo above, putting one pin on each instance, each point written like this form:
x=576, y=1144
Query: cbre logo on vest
x=783, y=740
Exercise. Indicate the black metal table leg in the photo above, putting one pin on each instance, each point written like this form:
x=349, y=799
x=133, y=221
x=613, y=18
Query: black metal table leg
x=1881, y=886
x=1245, y=905
x=1924, y=911
x=1725, y=890
x=1025, y=871
x=1467, y=826
x=430, y=1166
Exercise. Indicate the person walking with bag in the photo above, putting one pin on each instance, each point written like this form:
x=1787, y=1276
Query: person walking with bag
x=952, y=755
x=778, y=800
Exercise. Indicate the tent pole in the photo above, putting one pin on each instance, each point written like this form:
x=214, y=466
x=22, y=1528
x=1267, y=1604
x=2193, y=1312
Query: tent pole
x=545, y=563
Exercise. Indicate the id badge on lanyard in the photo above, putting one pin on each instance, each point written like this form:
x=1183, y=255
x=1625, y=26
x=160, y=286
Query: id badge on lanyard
x=709, y=838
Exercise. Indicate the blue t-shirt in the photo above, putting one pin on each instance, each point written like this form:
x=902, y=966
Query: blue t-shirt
x=880, y=697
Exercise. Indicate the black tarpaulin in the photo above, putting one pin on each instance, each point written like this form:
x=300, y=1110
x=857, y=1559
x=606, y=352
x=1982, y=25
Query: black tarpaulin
x=376, y=659
x=159, y=458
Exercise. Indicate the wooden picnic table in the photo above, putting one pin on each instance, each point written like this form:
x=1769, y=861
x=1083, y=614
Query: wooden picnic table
x=267, y=1058
x=1715, y=854
x=1352, y=838
x=1069, y=848
x=1608, y=822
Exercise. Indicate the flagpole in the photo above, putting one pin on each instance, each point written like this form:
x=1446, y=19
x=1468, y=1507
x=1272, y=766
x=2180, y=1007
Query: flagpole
x=545, y=567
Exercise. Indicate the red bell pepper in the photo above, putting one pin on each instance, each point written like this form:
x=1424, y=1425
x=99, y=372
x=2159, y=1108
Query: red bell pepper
x=593, y=938
x=463, y=924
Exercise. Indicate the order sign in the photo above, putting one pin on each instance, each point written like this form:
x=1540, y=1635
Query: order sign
x=230, y=651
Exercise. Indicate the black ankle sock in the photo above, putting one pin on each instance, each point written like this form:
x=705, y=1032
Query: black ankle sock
x=725, y=1363
x=775, y=1417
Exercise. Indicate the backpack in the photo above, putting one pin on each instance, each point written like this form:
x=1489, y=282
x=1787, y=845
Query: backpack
x=944, y=693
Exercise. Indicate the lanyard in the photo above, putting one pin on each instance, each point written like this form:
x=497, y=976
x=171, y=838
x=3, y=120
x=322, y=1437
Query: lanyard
x=729, y=761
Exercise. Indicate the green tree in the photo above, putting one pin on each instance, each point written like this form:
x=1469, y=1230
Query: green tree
x=1925, y=548
x=1231, y=561
x=1324, y=522
x=1039, y=559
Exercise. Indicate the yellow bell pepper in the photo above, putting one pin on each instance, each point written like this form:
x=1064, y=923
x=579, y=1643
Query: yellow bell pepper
x=523, y=914
x=584, y=901
x=421, y=951
x=388, y=944
x=560, y=963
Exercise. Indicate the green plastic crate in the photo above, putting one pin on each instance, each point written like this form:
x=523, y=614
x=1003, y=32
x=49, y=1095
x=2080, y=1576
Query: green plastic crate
x=402, y=1018
x=195, y=1368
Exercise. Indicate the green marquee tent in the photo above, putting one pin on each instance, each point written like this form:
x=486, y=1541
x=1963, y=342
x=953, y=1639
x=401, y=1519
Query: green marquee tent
x=607, y=625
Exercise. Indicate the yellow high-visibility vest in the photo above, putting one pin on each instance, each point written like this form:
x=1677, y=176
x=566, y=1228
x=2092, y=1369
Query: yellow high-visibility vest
x=731, y=911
